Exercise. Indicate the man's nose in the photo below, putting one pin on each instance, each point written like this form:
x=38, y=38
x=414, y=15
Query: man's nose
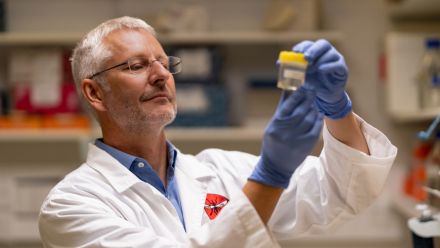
x=158, y=73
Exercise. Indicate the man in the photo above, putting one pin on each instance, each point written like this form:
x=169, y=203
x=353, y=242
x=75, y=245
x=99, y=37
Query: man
x=137, y=190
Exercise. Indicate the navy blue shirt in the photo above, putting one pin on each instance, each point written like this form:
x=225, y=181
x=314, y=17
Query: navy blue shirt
x=143, y=170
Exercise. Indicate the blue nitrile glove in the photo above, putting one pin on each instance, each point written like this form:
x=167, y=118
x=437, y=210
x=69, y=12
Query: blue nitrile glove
x=290, y=136
x=327, y=73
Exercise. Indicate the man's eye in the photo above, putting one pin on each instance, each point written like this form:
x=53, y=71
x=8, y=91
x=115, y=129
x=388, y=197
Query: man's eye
x=137, y=66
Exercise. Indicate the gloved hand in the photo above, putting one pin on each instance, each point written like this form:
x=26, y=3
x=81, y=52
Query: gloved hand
x=289, y=138
x=327, y=73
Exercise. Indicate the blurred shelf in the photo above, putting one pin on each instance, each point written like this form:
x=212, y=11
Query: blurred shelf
x=252, y=132
x=406, y=206
x=414, y=116
x=44, y=134
x=248, y=37
x=34, y=39
x=215, y=134
x=414, y=10
x=217, y=37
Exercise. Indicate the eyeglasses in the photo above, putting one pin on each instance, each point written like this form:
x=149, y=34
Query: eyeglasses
x=139, y=65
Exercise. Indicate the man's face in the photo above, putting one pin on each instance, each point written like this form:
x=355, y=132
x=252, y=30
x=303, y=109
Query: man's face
x=138, y=101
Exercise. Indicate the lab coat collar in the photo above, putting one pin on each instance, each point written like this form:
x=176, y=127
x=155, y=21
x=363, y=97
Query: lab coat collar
x=118, y=176
x=121, y=178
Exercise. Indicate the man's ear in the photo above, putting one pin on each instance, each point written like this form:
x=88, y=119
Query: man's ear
x=93, y=93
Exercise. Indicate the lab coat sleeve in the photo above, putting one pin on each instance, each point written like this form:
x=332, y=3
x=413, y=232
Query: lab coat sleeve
x=327, y=190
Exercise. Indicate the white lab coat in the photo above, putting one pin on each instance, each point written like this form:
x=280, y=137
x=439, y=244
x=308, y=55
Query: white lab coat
x=102, y=204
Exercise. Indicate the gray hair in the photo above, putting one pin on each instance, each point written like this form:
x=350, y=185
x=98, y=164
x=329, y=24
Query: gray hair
x=91, y=52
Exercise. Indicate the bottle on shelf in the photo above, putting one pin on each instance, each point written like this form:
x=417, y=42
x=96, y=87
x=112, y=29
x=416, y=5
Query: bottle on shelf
x=428, y=78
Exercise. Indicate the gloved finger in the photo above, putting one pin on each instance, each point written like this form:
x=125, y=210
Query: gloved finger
x=329, y=56
x=317, y=127
x=311, y=117
x=308, y=86
x=298, y=109
x=305, y=124
x=336, y=70
x=290, y=100
x=302, y=46
x=315, y=51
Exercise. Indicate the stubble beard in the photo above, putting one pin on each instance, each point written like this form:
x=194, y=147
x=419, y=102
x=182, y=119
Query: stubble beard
x=134, y=120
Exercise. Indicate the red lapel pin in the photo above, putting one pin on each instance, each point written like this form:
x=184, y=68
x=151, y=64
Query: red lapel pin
x=214, y=204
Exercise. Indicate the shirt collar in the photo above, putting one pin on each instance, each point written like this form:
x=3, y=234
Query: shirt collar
x=124, y=158
x=121, y=178
x=127, y=160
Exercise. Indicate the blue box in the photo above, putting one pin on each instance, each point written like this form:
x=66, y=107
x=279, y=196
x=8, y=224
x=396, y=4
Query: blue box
x=200, y=64
x=201, y=105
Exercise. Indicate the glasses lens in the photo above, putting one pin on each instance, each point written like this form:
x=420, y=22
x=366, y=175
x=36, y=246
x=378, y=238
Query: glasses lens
x=140, y=65
x=175, y=64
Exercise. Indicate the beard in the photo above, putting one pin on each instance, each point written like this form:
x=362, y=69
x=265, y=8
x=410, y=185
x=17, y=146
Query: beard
x=129, y=116
x=164, y=118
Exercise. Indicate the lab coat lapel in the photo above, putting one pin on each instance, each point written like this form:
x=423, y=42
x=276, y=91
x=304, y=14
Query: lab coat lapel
x=116, y=174
x=192, y=178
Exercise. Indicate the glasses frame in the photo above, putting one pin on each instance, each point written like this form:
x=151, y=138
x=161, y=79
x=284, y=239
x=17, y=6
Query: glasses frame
x=179, y=61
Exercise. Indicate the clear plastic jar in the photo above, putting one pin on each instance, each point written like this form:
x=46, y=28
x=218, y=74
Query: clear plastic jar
x=292, y=70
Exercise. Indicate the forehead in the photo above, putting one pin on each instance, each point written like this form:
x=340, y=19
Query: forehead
x=127, y=43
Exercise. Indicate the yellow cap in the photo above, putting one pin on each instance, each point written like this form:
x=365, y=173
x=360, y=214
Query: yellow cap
x=287, y=56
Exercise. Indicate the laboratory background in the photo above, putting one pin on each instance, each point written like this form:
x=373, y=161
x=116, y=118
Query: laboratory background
x=226, y=93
